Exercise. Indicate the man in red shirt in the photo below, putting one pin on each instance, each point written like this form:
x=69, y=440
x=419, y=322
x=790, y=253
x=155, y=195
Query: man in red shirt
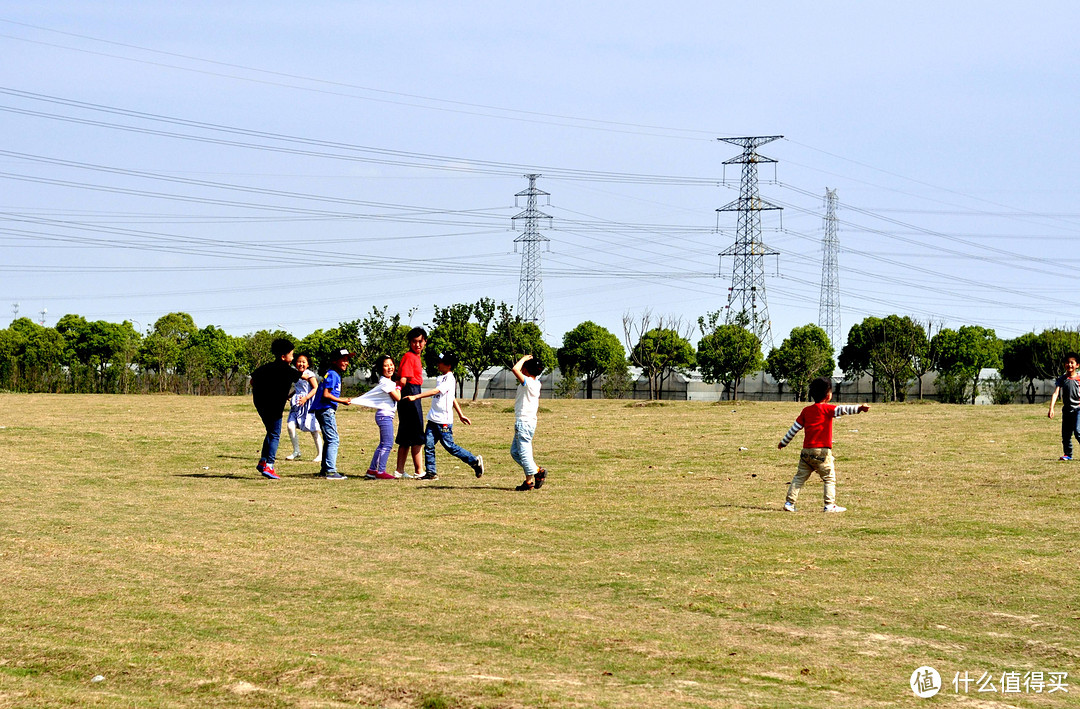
x=816, y=456
x=410, y=374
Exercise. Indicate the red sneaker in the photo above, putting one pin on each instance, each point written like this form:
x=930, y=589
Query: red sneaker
x=268, y=472
x=383, y=475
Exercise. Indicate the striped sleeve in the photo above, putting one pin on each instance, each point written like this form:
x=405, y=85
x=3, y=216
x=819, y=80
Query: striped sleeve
x=845, y=410
x=795, y=428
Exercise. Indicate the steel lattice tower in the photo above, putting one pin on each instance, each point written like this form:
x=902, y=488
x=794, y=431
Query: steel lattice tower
x=531, y=284
x=746, y=297
x=829, y=307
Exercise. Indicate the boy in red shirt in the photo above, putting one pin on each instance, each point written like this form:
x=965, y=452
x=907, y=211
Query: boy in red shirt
x=817, y=454
x=410, y=375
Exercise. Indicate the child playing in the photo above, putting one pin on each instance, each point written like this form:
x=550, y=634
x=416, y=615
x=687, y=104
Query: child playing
x=410, y=436
x=817, y=443
x=383, y=398
x=1068, y=387
x=526, y=405
x=270, y=386
x=440, y=425
x=325, y=410
x=300, y=416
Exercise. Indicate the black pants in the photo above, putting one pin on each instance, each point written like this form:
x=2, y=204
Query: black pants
x=410, y=418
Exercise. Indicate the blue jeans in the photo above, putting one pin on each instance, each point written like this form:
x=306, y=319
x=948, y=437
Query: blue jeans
x=273, y=437
x=1070, y=428
x=328, y=422
x=521, y=448
x=444, y=433
x=386, y=441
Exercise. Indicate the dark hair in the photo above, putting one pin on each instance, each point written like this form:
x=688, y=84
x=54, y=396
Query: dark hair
x=1072, y=356
x=305, y=355
x=281, y=346
x=820, y=388
x=416, y=332
x=376, y=369
x=448, y=358
x=532, y=367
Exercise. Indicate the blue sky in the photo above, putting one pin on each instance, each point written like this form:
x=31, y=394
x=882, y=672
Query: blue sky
x=946, y=128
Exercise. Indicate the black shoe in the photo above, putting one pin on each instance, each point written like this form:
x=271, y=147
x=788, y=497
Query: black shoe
x=479, y=467
x=428, y=476
x=525, y=486
x=541, y=476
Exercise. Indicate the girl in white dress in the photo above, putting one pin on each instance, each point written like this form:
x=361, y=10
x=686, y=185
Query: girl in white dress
x=300, y=416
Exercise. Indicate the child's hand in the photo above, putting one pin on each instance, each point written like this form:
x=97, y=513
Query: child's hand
x=780, y=446
x=465, y=420
x=864, y=408
x=1050, y=414
x=410, y=397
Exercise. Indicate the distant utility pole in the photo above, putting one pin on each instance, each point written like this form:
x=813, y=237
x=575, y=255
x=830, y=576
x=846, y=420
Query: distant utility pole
x=44, y=311
x=829, y=307
x=531, y=284
x=15, y=311
x=746, y=297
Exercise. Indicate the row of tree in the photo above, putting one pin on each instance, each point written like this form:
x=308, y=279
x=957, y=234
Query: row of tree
x=175, y=355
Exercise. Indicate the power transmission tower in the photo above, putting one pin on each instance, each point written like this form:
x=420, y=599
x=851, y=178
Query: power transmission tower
x=15, y=311
x=829, y=307
x=746, y=297
x=531, y=285
x=44, y=312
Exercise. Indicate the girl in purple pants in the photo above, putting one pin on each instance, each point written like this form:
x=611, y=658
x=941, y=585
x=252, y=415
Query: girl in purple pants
x=383, y=397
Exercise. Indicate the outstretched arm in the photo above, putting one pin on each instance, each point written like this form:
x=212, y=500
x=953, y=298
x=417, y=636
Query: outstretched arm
x=795, y=428
x=849, y=409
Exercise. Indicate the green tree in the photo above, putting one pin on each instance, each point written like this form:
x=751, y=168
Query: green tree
x=40, y=355
x=511, y=337
x=660, y=353
x=453, y=331
x=591, y=351
x=963, y=353
x=212, y=354
x=885, y=348
x=161, y=349
x=727, y=353
x=1031, y=357
x=381, y=334
x=12, y=343
x=805, y=355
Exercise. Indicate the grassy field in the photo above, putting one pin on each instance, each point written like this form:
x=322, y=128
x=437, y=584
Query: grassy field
x=655, y=568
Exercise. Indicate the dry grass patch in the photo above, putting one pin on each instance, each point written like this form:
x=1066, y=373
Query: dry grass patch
x=655, y=569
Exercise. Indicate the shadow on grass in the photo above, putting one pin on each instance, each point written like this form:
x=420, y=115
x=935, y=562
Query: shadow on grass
x=763, y=508
x=472, y=488
x=224, y=476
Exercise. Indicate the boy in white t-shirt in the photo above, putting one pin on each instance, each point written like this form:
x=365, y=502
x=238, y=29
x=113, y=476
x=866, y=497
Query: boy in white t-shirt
x=440, y=423
x=526, y=404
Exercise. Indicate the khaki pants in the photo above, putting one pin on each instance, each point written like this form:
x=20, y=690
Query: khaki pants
x=814, y=460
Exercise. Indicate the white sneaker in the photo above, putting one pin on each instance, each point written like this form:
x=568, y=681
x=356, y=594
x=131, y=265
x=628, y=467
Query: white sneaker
x=789, y=507
x=834, y=508
x=317, y=460
x=294, y=456
x=410, y=476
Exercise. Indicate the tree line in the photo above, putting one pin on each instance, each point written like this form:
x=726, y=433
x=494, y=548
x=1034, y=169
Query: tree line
x=175, y=355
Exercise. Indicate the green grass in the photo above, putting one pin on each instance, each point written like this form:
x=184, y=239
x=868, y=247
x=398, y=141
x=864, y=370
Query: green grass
x=655, y=568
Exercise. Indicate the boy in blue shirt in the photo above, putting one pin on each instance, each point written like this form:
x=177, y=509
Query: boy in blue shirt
x=325, y=409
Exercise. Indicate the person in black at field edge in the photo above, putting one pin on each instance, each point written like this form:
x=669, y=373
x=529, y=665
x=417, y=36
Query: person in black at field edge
x=270, y=388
